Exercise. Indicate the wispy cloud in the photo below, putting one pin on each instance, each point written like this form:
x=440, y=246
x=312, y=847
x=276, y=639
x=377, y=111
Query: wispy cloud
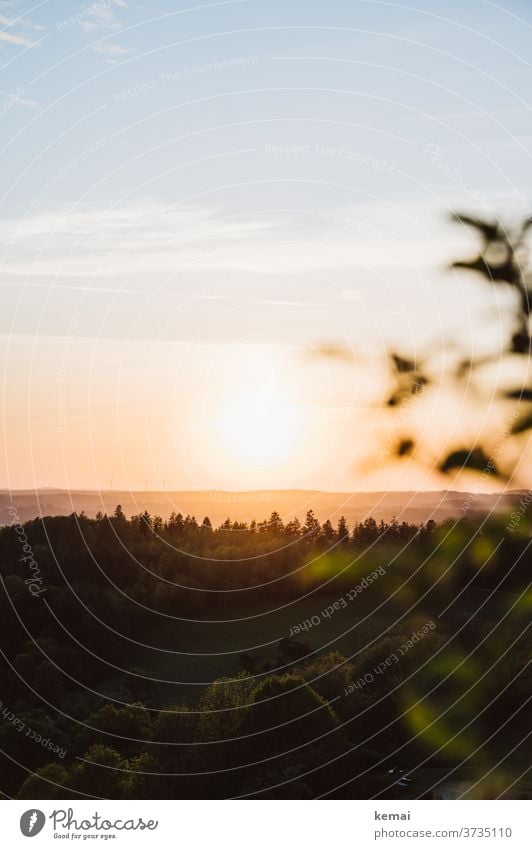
x=154, y=237
x=20, y=21
x=11, y=38
x=112, y=52
x=12, y=99
x=109, y=48
x=103, y=15
x=29, y=104
x=96, y=241
x=14, y=27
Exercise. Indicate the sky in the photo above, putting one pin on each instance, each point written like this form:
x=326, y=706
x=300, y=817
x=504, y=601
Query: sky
x=198, y=201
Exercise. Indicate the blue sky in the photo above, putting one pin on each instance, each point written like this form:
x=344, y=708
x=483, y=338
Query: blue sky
x=189, y=186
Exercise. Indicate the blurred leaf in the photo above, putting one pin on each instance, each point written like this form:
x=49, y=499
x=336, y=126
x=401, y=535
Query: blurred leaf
x=338, y=352
x=464, y=368
x=405, y=447
x=523, y=424
x=408, y=390
x=419, y=383
x=474, y=459
x=402, y=365
x=519, y=394
x=521, y=343
x=438, y=733
x=490, y=230
x=507, y=271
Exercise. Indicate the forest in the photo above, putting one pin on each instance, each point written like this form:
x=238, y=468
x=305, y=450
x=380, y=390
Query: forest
x=169, y=659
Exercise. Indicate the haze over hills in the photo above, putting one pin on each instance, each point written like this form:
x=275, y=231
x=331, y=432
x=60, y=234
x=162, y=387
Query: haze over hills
x=244, y=506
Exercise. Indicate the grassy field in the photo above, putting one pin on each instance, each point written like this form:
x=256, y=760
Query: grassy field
x=196, y=653
x=193, y=654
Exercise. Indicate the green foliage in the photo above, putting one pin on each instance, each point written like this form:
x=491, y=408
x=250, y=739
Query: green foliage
x=272, y=728
x=286, y=713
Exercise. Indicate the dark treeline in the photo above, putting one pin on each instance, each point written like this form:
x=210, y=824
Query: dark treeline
x=181, y=527
x=164, y=564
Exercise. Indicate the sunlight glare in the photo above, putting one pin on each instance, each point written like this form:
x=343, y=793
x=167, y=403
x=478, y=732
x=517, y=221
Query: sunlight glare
x=259, y=426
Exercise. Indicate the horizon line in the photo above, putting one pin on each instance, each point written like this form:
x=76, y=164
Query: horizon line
x=8, y=490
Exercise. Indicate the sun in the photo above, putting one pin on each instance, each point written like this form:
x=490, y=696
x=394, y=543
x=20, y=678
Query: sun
x=258, y=426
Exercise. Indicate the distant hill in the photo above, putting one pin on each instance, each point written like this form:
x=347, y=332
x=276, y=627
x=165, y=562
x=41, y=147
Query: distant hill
x=244, y=506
